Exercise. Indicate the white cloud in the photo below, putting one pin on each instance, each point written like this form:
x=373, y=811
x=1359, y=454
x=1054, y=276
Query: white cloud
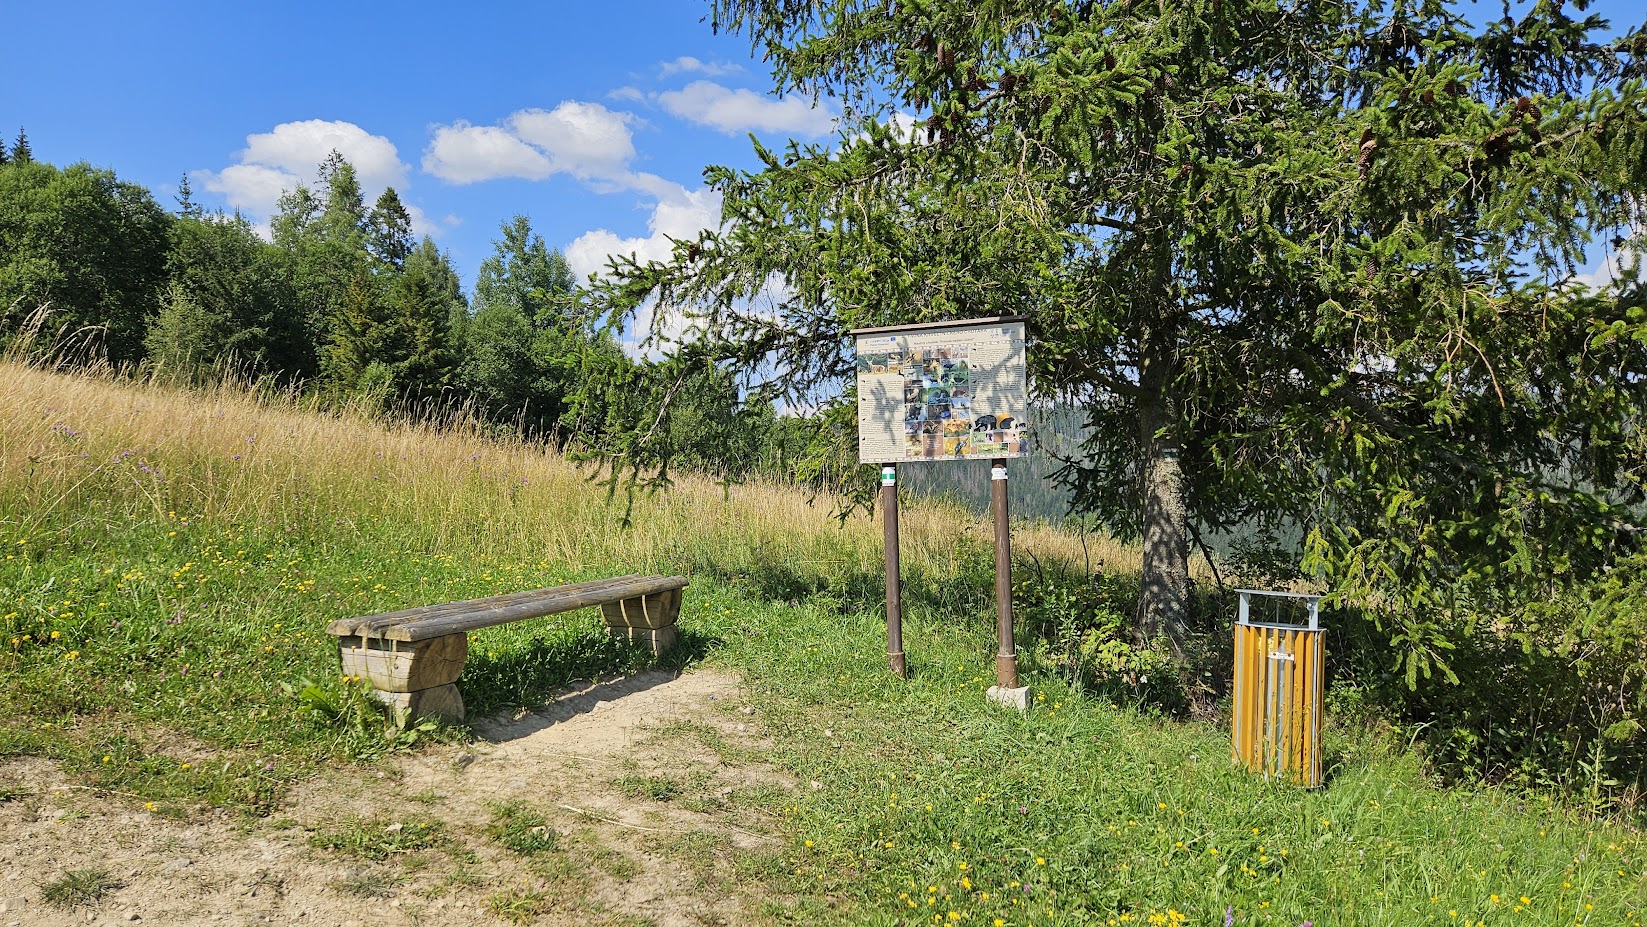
x=586, y=140
x=678, y=214
x=277, y=161
x=905, y=127
x=686, y=64
x=462, y=154
x=736, y=111
x=421, y=223
x=298, y=147
x=1609, y=269
x=250, y=188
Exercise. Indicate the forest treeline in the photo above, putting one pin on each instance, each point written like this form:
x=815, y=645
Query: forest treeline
x=342, y=301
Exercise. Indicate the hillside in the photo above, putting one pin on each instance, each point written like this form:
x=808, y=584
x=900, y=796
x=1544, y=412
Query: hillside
x=172, y=559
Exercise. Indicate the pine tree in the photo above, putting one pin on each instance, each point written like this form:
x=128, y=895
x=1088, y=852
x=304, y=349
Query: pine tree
x=417, y=343
x=21, y=153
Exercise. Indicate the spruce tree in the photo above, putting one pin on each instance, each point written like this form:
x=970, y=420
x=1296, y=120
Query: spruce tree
x=527, y=275
x=21, y=153
x=1308, y=271
x=186, y=206
x=389, y=235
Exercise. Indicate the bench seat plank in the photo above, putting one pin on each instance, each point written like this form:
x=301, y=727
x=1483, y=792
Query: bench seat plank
x=417, y=624
x=373, y=625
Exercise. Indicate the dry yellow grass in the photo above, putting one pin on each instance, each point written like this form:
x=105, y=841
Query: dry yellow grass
x=232, y=454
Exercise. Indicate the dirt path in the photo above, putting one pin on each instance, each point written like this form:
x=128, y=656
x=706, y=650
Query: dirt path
x=642, y=785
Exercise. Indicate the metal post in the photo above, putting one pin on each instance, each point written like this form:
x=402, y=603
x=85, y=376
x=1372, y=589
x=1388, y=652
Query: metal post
x=1006, y=658
x=894, y=581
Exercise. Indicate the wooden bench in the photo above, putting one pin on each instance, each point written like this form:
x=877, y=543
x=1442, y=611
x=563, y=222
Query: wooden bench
x=413, y=657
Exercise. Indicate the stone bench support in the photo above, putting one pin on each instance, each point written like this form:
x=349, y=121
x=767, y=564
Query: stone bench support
x=413, y=657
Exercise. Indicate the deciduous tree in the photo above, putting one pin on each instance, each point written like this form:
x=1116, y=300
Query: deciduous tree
x=87, y=244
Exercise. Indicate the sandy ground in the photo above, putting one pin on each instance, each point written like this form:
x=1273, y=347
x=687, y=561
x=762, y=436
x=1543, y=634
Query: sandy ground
x=625, y=856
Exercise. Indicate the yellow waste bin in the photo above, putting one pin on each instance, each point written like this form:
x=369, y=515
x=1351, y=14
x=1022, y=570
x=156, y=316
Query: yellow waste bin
x=1279, y=685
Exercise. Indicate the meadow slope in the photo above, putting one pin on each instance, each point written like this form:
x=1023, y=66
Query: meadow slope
x=171, y=559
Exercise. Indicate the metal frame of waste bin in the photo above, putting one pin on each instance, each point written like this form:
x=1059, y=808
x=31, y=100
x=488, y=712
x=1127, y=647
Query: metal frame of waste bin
x=1279, y=686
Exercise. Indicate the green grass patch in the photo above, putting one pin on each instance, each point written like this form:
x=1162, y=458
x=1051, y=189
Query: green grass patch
x=78, y=887
x=521, y=830
x=654, y=788
x=918, y=799
x=614, y=863
x=370, y=883
x=377, y=839
x=520, y=906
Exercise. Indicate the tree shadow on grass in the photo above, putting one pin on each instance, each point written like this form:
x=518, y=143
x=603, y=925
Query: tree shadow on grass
x=847, y=590
x=550, y=663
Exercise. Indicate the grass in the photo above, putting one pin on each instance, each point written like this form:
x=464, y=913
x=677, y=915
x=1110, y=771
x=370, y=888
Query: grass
x=520, y=906
x=377, y=839
x=171, y=561
x=521, y=830
x=655, y=788
x=370, y=883
x=78, y=887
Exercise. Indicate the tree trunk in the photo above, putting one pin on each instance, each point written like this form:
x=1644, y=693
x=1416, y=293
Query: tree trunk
x=1163, y=601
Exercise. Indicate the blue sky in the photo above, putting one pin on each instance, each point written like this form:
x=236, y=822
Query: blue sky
x=594, y=119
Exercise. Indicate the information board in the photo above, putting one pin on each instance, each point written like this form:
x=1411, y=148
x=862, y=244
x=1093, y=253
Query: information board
x=942, y=391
